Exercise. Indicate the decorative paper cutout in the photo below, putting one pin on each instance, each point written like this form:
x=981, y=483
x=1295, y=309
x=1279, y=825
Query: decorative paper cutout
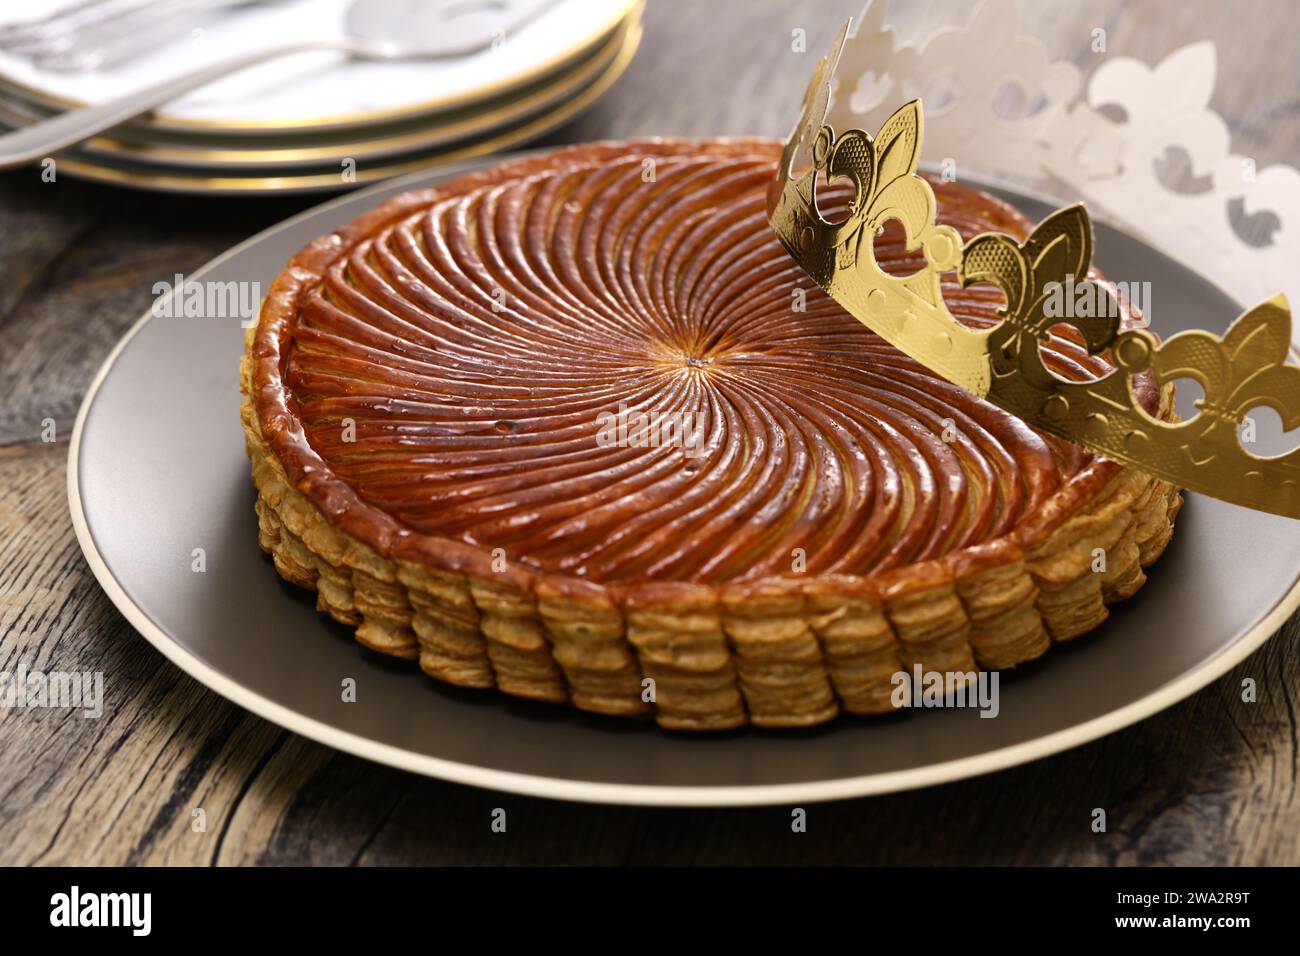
x=1065, y=136
x=1003, y=363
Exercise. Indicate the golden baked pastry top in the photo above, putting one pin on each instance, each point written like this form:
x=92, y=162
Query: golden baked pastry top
x=514, y=415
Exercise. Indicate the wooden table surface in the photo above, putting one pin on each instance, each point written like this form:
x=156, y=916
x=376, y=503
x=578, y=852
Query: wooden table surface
x=1212, y=780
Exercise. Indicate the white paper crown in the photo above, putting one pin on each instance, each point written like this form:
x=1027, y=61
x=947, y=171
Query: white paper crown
x=1064, y=136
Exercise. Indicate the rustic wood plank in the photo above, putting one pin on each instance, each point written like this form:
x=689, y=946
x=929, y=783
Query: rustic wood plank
x=1212, y=780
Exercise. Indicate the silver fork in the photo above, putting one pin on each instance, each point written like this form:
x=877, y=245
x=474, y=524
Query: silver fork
x=98, y=33
x=373, y=29
x=87, y=11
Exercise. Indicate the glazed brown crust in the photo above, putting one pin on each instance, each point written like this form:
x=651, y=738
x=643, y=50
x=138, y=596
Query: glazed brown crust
x=733, y=641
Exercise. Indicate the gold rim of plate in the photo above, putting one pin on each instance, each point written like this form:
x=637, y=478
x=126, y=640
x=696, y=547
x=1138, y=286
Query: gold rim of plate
x=618, y=11
x=469, y=124
x=320, y=182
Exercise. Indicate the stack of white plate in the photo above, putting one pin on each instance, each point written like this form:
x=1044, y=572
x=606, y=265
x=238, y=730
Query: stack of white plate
x=322, y=121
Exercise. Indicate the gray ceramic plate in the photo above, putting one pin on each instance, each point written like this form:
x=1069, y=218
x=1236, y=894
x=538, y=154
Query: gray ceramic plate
x=157, y=469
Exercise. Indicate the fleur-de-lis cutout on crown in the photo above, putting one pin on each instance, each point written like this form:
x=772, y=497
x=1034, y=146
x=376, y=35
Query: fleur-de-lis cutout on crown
x=1244, y=369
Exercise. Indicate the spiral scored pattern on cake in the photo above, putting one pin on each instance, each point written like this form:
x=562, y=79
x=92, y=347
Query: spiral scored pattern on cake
x=579, y=421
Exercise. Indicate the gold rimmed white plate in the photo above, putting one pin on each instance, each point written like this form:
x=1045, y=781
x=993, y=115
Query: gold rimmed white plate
x=285, y=95
x=330, y=178
x=149, y=148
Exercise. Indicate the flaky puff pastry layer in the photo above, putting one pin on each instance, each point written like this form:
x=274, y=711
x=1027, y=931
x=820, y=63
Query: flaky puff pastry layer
x=780, y=653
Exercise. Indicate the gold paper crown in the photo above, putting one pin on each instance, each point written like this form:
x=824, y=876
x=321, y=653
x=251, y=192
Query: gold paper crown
x=1244, y=369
